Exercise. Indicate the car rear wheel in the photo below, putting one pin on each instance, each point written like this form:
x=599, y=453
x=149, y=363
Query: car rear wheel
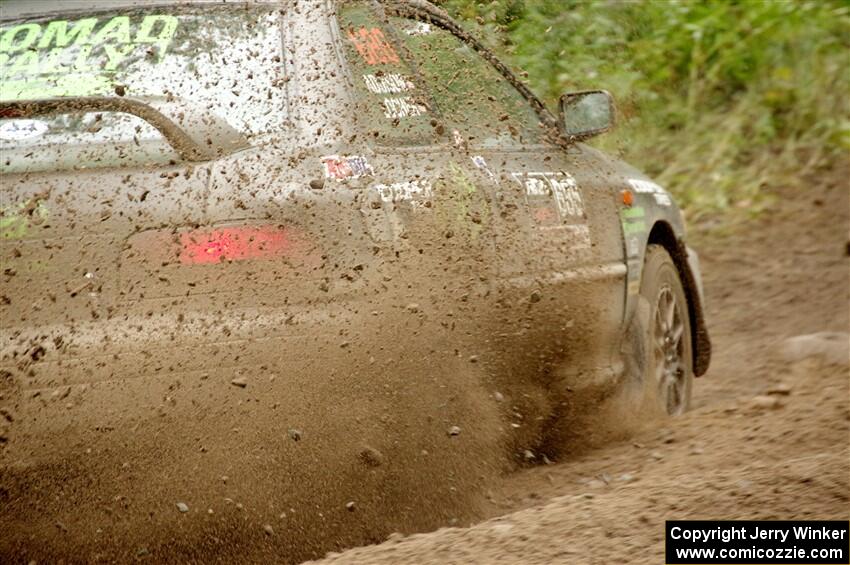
x=669, y=360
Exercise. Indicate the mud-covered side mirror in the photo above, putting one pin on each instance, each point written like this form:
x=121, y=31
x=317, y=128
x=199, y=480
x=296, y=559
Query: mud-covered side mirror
x=586, y=114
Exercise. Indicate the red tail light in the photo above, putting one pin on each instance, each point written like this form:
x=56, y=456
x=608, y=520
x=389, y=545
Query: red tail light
x=238, y=244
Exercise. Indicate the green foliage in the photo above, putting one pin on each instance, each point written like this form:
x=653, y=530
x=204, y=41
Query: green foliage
x=718, y=98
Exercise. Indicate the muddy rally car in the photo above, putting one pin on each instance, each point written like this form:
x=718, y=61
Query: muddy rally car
x=283, y=277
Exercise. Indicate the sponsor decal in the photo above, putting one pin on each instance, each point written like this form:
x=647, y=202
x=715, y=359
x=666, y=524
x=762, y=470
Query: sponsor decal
x=481, y=163
x=388, y=83
x=15, y=221
x=402, y=107
x=373, y=46
x=662, y=197
x=342, y=167
x=462, y=208
x=633, y=220
x=578, y=236
x=632, y=246
x=554, y=199
x=634, y=267
x=76, y=58
x=395, y=107
x=457, y=138
x=415, y=192
x=20, y=130
x=644, y=186
x=419, y=28
x=633, y=261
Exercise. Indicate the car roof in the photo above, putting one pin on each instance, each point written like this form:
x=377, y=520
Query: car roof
x=17, y=9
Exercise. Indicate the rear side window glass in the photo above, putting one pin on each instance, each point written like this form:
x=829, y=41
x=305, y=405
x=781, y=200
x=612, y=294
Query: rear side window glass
x=221, y=61
x=396, y=111
x=225, y=60
x=471, y=95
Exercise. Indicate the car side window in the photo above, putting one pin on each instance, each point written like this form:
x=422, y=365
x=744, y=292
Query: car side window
x=395, y=109
x=471, y=95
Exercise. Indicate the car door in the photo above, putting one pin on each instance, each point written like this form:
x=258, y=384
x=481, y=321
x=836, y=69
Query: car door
x=421, y=200
x=556, y=225
x=552, y=200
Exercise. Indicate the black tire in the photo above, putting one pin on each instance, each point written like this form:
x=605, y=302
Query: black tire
x=668, y=371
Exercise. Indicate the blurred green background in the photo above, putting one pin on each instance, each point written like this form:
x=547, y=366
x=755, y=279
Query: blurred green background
x=719, y=100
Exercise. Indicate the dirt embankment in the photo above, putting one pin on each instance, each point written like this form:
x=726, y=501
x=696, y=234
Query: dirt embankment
x=769, y=436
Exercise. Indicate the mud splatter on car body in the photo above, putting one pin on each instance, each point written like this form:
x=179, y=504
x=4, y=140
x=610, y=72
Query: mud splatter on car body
x=346, y=220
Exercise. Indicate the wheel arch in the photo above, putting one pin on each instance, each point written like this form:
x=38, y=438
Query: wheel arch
x=662, y=234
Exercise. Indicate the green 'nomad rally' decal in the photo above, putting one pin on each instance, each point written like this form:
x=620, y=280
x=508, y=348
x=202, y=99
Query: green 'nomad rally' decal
x=77, y=58
x=633, y=220
x=16, y=221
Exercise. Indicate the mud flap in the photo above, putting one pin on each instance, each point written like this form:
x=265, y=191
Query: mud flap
x=692, y=281
x=637, y=389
